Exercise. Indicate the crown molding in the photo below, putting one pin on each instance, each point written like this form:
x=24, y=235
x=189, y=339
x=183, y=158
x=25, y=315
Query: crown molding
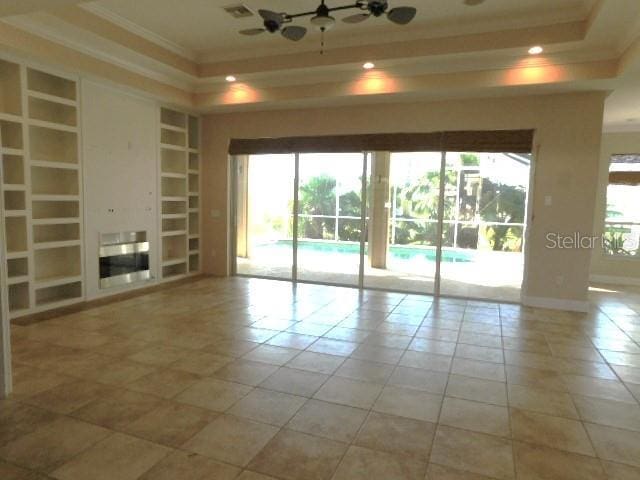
x=148, y=35
x=28, y=25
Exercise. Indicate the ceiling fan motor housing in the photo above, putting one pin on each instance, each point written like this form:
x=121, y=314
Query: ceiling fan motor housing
x=271, y=26
x=377, y=7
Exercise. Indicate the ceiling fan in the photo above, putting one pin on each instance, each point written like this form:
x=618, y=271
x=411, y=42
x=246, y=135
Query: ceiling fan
x=322, y=19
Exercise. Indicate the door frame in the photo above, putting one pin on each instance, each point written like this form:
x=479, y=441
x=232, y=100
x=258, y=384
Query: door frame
x=529, y=218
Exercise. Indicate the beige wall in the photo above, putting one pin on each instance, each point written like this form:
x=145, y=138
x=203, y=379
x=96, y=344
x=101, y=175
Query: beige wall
x=568, y=132
x=603, y=268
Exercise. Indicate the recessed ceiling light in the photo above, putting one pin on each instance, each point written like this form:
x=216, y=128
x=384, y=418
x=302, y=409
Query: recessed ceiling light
x=368, y=66
x=537, y=50
x=230, y=78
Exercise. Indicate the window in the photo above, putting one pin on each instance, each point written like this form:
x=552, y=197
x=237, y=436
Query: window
x=622, y=219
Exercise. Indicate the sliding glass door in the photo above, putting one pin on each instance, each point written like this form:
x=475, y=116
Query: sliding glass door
x=329, y=217
x=487, y=229
x=450, y=223
x=264, y=215
x=403, y=236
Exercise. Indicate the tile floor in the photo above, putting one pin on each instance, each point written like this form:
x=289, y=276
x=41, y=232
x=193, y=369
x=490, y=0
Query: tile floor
x=245, y=379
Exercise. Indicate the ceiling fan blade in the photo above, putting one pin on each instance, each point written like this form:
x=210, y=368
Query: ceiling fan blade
x=271, y=16
x=401, y=15
x=357, y=18
x=252, y=31
x=294, y=33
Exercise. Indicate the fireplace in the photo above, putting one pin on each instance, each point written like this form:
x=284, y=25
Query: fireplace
x=124, y=258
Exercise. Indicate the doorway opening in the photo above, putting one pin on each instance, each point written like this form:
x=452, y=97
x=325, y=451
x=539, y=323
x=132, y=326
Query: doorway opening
x=439, y=223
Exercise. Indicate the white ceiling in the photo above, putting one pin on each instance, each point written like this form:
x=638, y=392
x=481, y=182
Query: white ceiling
x=202, y=26
x=200, y=32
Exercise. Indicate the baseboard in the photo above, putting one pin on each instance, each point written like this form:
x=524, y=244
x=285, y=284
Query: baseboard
x=615, y=280
x=81, y=306
x=556, y=303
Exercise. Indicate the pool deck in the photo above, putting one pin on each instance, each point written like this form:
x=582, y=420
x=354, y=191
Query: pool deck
x=492, y=275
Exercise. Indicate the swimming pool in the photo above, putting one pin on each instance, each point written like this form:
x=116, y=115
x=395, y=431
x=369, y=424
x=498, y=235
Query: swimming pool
x=398, y=253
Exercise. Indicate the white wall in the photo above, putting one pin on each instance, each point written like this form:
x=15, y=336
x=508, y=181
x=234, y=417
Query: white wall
x=120, y=139
x=605, y=268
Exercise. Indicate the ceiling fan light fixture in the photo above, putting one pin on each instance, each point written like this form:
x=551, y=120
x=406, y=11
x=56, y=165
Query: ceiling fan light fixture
x=323, y=22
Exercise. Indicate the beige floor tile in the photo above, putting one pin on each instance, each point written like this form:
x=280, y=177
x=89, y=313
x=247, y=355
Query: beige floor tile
x=535, y=462
x=231, y=439
x=52, y=444
x=294, y=381
x=375, y=353
x=479, y=417
x=608, y=412
x=11, y=472
x=231, y=347
x=477, y=369
x=117, y=409
x=364, y=464
x=406, y=402
x=267, y=406
x=475, y=452
x=180, y=465
x=316, y=362
x=347, y=334
x=159, y=355
x=599, y=388
x=201, y=363
x=628, y=374
x=427, y=361
x=541, y=401
x=476, y=352
x=246, y=372
x=477, y=389
x=333, y=347
x=164, y=383
x=118, y=456
x=439, y=472
x=419, y=379
x=68, y=397
x=217, y=395
x=328, y=420
x=429, y=345
x=615, y=444
x=533, y=377
x=298, y=456
x=271, y=354
x=17, y=419
x=397, y=435
x=29, y=381
x=292, y=340
x=171, y=424
x=349, y=392
x=248, y=475
x=120, y=373
x=388, y=340
x=555, y=432
x=617, y=471
x=365, y=371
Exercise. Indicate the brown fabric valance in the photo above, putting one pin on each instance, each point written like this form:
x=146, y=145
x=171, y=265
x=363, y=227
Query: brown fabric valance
x=624, y=178
x=512, y=141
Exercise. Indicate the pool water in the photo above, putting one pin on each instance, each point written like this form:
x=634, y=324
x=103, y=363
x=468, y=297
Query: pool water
x=397, y=252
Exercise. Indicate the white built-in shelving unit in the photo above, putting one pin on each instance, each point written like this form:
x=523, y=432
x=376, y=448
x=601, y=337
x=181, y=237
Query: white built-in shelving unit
x=179, y=193
x=41, y=187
